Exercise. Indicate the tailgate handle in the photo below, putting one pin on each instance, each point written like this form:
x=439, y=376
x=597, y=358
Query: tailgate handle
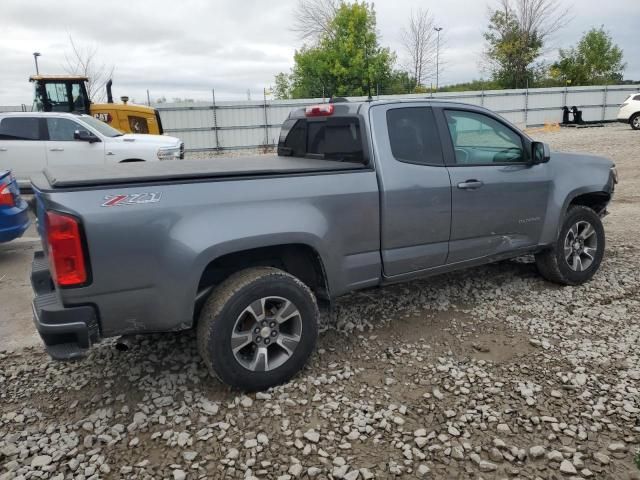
x=470, y=185
x=56, y=149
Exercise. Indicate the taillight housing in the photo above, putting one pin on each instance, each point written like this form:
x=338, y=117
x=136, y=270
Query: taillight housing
x=322, y=110
x=66, y=252
x=7, y=199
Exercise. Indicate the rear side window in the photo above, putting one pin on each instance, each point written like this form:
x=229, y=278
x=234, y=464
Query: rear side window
x=413, y=135
x=20, y=128
x=336, y=138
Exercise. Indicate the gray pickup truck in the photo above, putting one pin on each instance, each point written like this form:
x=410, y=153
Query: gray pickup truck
x=359, y=195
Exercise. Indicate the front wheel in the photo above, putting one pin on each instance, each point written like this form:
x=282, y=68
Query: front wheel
x=578, y=251
x=635, y=121
x=258, y=328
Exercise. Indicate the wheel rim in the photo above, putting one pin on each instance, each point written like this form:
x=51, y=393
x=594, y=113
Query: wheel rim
x=266, y=334
x=580, y=246
x=636, y=121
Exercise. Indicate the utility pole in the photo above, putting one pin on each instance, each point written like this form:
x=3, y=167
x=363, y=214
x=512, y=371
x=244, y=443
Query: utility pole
x=438, y=29
x=35, y=57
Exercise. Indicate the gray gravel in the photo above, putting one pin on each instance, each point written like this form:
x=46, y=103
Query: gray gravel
x=485, y=373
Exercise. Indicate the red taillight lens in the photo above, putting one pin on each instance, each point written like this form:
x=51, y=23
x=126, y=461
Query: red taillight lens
x=6, y=197
x=66, y=255
x=323, y=110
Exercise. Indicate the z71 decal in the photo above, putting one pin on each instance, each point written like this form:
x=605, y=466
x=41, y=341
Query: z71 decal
x=131, y=199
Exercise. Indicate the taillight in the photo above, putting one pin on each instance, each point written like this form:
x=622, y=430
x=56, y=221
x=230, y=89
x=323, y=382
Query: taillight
x=6, y=196
x=322, y=110
x=66, y=255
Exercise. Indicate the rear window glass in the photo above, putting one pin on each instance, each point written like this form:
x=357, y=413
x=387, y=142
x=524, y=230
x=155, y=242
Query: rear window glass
x=338, y=138
x=413, y=135
x=20, y=128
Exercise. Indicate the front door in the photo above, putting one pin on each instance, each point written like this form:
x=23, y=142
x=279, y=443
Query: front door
x=499, y=199
x=63, y=149
x=415, y=191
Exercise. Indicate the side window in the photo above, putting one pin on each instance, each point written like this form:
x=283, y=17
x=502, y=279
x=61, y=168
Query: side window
x=20, y=128
x=637, y=98
x=481, y=140
x=78, y=98
x=413, y=135
x=62, y=129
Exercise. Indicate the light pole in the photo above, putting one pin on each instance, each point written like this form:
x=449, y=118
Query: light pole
x=438, y=29
x=35, y=57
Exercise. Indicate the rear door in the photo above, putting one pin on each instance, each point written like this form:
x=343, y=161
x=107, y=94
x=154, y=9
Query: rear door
x=22, y=148
x=415, y=190
x=499, y=200
x=63, y=149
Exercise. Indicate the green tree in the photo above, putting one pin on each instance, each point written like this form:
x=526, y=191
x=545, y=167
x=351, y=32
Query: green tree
x=348, y=61
x=515, y=39
x=282, y=88
x=595, y=60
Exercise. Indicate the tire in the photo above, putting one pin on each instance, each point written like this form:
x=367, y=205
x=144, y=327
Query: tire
x=559, y=264
x=234, y=309
x=634, y=121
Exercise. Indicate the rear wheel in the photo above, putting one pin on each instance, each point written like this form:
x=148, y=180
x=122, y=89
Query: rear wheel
x=258, y=328
x=578, y=251
x=635, y=121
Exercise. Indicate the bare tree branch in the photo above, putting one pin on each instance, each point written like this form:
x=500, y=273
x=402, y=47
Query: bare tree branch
x=419, y=45
x=312, y=18
x=538, y=17
x=82, y=61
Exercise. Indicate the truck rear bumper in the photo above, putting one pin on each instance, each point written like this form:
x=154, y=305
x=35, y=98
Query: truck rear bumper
x=67, y=332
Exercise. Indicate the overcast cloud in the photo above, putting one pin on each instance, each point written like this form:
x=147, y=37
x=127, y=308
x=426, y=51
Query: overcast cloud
x=185, y=48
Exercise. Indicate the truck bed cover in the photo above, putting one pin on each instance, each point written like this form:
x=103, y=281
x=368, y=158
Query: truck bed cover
x=150, y=172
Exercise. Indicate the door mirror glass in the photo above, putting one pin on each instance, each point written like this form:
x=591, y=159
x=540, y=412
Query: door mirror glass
x=84, y=136
x=540, y=152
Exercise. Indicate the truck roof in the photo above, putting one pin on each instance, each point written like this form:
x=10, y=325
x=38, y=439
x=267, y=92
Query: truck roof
x=184, y=170
x=43, y=114
x=348, y=107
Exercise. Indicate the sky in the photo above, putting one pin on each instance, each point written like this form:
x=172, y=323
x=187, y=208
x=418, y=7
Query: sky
x=185, y=48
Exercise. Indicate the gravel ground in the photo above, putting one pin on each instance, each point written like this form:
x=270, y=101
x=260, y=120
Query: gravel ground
x=484, y=373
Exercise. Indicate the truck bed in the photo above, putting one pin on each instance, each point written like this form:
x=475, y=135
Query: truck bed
x=153, y=172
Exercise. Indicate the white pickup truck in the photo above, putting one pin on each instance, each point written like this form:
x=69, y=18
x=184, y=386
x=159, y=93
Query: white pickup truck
x=31, y=141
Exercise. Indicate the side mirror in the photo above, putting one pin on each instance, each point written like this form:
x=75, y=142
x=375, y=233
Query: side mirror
x=84, y=136
x=540, y=153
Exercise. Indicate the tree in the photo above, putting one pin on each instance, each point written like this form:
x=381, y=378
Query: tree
x=516, y=37
x=595, y=60
x=313, y=18
x=282, y=88
x=82, y=61
x=419, y=45
x=347, y=60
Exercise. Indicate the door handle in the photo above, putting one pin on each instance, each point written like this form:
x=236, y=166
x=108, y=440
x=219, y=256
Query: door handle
x=56, y=149
x=3, y=149
x=470, y=185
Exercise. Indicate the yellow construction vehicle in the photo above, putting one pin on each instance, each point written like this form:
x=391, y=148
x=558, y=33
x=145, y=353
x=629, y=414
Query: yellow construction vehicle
x=68, y=93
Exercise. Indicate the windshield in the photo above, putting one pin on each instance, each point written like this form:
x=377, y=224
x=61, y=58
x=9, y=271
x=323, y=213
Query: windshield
x=101, y=127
